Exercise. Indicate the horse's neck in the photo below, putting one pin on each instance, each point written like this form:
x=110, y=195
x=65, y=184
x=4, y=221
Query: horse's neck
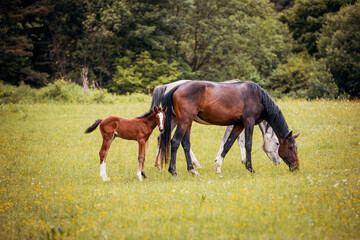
x=278, y=124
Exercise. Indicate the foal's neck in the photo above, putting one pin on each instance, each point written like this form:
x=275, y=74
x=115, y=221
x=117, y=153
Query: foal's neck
x=150, y=120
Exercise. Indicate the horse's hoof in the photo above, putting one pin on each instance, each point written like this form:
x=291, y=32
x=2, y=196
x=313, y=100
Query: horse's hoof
x=193, y=172
x=174, y=174
x=250, y=169
x=105, y=179
x=217, y=168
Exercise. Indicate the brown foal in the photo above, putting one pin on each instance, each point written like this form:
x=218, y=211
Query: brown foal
x=138, y=129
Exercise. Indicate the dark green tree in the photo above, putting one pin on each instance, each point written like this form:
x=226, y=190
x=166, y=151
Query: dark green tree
x=23, y=39
x=306, y=18
x=339, y=45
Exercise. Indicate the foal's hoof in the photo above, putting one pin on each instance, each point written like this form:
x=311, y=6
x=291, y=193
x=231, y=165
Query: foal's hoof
x=193, y=172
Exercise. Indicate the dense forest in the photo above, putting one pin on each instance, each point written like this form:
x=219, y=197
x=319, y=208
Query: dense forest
x=302, y=48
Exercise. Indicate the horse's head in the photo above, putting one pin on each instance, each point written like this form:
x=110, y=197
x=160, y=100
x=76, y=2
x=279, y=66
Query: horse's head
x=288, y=151
x=271, y=146
x=160, y=116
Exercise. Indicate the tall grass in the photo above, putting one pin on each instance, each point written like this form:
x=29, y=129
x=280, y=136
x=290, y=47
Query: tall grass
x=50, y=186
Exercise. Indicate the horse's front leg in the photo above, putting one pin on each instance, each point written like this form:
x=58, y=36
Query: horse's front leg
x=141, y=158
x=249, y=128
x=236, y=130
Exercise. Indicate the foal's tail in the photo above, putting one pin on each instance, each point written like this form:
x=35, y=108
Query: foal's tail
x=93, y=127
x=166, y=134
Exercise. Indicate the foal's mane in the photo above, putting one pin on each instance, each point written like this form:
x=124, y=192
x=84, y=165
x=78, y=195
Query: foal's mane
x=272, y=113
x=145, y=115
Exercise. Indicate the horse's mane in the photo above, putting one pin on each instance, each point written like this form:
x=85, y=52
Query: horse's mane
x=272, y=112
x=145, y=115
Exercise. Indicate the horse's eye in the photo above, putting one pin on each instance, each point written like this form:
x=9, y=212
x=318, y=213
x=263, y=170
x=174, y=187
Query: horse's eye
x=290, y=148
x=277, y=144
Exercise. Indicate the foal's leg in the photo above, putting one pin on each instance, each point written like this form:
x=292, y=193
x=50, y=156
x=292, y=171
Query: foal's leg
x=230, y=141
x=249, y=128
x=107, y=139
x=241, y=143
x=141, y=159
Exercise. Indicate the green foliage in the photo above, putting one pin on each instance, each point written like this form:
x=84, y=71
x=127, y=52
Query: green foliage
x=307, y=17
x=142, y=74
x=59, y=91
x=303, y=76
x=339, y=45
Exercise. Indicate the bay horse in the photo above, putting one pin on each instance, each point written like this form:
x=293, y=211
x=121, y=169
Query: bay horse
x=138, y=129
x=242, y=104
x=270, y=141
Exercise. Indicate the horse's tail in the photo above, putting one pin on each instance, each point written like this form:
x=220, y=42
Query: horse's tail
x=166, y=134
x=158, y=95
x=93, y=127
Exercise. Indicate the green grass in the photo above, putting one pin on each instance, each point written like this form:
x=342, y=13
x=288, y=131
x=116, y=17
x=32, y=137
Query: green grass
x=50, y=186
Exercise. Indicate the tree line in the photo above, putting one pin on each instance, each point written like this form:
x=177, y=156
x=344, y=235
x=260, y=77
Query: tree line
x=308, y=49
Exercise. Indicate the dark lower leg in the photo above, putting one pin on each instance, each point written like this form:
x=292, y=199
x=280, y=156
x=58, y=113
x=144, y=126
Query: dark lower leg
x=248, y=147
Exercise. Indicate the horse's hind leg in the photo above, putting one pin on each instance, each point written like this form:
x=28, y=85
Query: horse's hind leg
x=229, y=142
x=107, y=139
x=241, y=142
x=185, y=142
x=175, y=143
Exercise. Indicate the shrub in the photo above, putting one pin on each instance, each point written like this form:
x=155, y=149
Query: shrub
x=303, y=76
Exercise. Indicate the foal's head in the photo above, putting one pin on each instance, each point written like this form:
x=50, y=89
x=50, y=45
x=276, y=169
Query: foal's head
x=288, y=151
x=160, y=117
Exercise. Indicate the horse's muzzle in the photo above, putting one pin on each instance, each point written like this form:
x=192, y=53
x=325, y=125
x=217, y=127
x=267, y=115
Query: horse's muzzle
x=294, y=168
x=161, y=129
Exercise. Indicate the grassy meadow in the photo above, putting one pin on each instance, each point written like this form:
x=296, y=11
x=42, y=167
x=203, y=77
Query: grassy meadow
x=50, y=186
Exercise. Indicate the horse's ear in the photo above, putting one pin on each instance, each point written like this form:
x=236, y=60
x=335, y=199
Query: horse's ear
x=156, y=109
x=295, y=136
x=288, y=136
x=164, y=109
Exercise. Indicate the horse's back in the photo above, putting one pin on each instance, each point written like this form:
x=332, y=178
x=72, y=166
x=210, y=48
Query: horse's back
x=218, y=103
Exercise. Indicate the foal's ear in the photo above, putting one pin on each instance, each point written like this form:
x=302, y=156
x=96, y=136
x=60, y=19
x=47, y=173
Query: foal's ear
x=164, y=109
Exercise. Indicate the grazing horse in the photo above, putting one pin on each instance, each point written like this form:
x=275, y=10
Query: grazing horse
x=270, y=142
x=242, y=104
x=138, y=129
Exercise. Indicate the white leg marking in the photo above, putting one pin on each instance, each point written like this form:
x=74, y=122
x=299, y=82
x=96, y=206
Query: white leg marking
x=138, y=174
x=193, y=172
x=103, y=172
x=241, y=143
x=194, y=161
x=219, y=159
